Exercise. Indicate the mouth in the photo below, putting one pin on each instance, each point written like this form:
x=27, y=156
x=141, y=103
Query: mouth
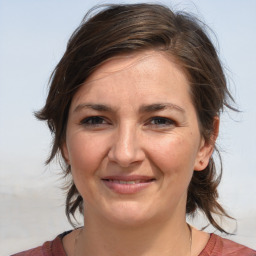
x=128, y=184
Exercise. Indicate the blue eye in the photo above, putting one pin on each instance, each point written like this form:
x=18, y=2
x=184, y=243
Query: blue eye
x=93, y=121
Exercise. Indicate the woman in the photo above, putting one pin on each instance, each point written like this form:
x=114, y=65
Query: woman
x=134, y=108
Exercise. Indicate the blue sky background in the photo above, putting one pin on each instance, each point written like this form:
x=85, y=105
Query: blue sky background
x=33, y=38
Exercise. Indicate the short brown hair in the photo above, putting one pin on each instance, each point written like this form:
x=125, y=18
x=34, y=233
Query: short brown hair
x=118, y=29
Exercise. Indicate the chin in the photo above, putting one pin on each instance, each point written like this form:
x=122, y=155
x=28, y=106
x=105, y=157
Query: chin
x=129, y=215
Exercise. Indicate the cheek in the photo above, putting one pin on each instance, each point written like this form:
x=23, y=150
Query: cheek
x=173, y=154
x=85, y=154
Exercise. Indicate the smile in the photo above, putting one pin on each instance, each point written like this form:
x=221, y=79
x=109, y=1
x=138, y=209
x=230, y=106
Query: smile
x=127, y=185
x=128, y=182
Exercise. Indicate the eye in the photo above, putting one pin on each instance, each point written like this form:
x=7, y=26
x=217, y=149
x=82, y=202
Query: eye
x=93, y=121
x=161, y=122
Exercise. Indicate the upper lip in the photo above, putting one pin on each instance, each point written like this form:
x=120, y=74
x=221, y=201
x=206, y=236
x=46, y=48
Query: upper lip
x=128, y=177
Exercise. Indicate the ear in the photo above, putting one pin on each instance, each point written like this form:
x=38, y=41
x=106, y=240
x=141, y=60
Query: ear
x=64, y=152
x=206, y=148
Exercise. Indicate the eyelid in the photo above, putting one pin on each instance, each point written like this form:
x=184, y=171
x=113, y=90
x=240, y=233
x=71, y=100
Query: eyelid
x=98, y=121
x=86, y=121
x=169, y=121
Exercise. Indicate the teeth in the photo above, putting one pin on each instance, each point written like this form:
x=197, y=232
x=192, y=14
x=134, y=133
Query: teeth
x=126, y=182
x=129, y=182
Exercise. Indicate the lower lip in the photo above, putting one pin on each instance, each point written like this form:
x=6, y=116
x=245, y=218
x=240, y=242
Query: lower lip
x=126, y=188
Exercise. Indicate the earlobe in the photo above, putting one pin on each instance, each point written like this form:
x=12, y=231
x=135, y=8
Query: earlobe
x=64, y=153
x=206, y=148
x=203, y=155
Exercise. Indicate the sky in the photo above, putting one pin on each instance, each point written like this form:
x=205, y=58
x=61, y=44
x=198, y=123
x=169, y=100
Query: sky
x=33, y=38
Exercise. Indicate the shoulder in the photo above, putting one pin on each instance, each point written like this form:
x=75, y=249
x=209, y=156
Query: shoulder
x=218, y=246
x=49, y=248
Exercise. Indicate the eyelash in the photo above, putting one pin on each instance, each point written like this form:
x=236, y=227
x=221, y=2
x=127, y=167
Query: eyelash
x=91, y=121
x=96, y=121
x=167, y=121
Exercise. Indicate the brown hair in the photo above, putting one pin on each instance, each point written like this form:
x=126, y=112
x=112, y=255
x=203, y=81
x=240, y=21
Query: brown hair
x=117, y=29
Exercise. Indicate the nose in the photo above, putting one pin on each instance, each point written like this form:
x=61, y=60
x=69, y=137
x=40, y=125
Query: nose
x=126, y=146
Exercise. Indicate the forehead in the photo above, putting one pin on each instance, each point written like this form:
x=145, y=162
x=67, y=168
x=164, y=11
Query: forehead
x=143, y=78
x=151, y=60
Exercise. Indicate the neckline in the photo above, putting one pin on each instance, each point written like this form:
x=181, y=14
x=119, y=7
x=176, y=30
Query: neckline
x=205, y=252
x=209, y=246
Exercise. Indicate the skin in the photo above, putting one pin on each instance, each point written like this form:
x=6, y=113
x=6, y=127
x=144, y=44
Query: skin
x=134, y=116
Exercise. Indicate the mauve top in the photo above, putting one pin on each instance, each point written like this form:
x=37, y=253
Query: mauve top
x=216, y=246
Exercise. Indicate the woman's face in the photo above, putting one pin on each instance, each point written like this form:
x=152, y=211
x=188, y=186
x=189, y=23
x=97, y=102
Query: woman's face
x=133, y=140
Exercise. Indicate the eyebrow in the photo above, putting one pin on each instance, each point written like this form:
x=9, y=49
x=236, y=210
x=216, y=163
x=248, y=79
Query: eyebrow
x=97, y=107
x=160, y=106
x=144, y=108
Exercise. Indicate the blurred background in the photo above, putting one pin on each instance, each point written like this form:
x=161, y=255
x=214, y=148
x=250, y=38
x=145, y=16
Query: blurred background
x=33, y=39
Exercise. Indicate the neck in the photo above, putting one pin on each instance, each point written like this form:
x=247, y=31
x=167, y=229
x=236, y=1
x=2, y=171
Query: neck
x=170, y=237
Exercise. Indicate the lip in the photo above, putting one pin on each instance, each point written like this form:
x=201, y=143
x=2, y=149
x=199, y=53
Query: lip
x=128, y=184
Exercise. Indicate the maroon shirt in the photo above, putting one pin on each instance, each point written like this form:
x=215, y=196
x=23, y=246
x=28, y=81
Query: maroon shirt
x=216, y=246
